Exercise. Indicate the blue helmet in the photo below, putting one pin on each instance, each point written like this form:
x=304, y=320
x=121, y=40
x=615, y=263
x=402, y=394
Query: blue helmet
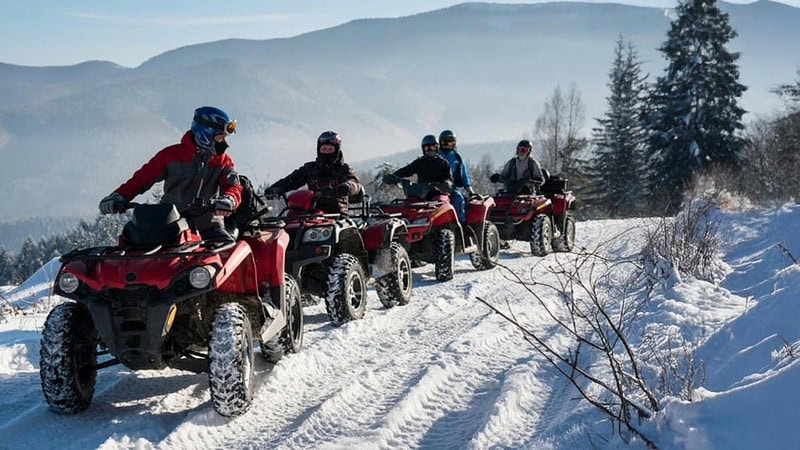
x=209, y=121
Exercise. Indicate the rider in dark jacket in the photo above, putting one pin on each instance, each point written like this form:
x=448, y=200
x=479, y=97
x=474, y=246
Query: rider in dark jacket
x=333, y=180
x=429, y=168
x=521, y=174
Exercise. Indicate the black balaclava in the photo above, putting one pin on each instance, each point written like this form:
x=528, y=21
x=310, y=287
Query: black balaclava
x=220, y=147
x=329, y=159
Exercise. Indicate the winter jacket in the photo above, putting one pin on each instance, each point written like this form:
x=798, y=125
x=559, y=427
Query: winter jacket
x=187, y=174
x=532, y=177
x=429, y=170
x=319, y=176
x=460, y=173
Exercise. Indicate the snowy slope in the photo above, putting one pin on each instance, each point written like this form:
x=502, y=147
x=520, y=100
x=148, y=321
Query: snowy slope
x=445, y=372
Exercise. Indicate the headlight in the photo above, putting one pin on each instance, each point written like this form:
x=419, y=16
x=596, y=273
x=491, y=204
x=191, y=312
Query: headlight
x=68, y=283
x=318, y=234
x=420, y=222
x=200, y=277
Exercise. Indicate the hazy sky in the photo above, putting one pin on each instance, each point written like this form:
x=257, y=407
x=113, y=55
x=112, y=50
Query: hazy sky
x=58, y=32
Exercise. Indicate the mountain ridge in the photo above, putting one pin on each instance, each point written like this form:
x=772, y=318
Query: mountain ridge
x=481, y=69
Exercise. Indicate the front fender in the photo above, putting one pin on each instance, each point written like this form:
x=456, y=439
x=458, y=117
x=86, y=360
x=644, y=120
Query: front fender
x=238, y=272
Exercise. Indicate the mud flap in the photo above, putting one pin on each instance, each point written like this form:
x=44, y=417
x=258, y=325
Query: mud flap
x=472, y=243
x=275, y=319
x=383, y=264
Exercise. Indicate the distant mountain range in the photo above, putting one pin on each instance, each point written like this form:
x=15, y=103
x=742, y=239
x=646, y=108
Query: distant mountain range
x=69, y=135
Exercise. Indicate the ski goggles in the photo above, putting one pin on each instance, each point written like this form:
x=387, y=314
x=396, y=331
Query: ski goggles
x=330, y=140
x=523, y=149
x=228, y=128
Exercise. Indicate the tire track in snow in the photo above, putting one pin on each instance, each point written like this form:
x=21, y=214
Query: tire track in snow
x=454, y=400
x=302, y=402
x=158, y=401
x=375, y=394
x=473, y=391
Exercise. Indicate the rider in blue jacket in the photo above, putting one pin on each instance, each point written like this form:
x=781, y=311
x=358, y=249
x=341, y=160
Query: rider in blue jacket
x=447, y=149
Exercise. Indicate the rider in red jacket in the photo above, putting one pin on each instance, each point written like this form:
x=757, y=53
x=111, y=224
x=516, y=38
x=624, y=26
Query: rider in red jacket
x=197, y=168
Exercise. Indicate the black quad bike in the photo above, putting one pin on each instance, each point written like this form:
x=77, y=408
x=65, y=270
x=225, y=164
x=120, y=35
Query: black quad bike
x=167, y=297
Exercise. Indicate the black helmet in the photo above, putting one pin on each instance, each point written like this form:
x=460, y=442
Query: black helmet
x=329, y=137
x=526, y=144
x=447, y=136
x=429, y=140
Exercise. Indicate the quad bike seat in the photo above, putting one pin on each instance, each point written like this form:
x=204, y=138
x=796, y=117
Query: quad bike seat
x=153, y=225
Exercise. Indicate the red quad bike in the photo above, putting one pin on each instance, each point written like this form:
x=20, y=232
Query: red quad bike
x=164, y=297
x=332, y=256
x=545, y=219
x=435, y=234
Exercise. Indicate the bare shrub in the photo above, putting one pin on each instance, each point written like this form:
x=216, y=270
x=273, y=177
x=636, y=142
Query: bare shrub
x=673, y=362
x=688, y=242
x=788, y=352
x=614, y=359
x=601, y=302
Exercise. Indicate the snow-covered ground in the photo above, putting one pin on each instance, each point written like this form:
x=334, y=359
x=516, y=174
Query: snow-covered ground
x=446, y=372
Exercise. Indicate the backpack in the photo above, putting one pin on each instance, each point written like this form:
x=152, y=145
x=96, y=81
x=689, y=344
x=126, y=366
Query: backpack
x=250, y=206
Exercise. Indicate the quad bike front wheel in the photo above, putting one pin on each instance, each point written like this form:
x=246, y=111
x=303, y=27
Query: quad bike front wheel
x=395, y=288
x=290, y=339
x=444, y=249
x=346, y=290
x=68, y=358
x=489, y=253
x=541, y=235
x=230, y=360
x=566, y=242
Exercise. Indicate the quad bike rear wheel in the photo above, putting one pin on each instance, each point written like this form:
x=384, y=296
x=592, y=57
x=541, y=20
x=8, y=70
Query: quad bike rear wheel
x=566, y=241
x=395, y=288
x=346, y=290
x=541, y=235
x=444, y=249
x=68, y=358
x=486, y=258
x=290, y=339
x=230, y=360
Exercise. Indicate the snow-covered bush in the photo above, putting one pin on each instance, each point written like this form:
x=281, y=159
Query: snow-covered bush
x=688, y=243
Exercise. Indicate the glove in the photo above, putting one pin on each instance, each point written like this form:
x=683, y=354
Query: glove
x=343, y=190
x=224, y=206
x=443, y=187
x=494, y=178
x=326, y=192
x=391, y=178
x=112, y=203
x=273, y=191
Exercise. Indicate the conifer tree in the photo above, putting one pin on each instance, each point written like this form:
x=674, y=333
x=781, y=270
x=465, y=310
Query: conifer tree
x=8, y=273
x=619, y=167
x=695, y=118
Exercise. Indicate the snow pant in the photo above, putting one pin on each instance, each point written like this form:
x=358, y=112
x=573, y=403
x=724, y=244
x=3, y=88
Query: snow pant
x=210, y=227
x=457, y=199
